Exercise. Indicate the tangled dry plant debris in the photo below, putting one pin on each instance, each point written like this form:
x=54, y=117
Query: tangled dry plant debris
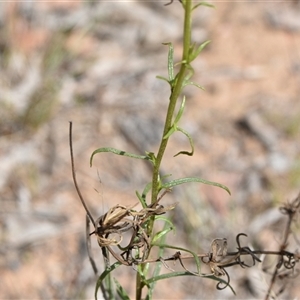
x=111, y=227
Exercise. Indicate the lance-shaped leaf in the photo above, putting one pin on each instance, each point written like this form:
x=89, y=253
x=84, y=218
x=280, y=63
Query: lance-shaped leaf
x=119, y=152
x=190, y=73
x=185, y=273
x=151, y=157
x=172, y=83
x=142, y=197
x=164, y=79
x=191, y=143
x=172, y=79
x=104, y=274
x=161, y=233
x=121, y=291
x=189, y=76
x=203, y=4
x=142, y=200
x=167, y=222
x=170, y=61
x=194, y=84
x=194, y=52
x=176, y=121
x=179, y=181
x=143, y=272
x=158, y=265
x=175, y=128
x=180, y=112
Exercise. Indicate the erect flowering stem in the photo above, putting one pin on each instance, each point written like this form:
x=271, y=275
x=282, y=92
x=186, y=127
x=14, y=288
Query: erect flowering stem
x=175, y=93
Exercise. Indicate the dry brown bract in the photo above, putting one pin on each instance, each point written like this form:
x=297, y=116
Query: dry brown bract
x=113, y=222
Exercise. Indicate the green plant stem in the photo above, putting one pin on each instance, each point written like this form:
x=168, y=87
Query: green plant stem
x=175, y=93
x=139, y=286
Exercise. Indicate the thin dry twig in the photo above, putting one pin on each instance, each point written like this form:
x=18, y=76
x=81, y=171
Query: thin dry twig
x=74, y=176
x=89, y=216
x=289, y=209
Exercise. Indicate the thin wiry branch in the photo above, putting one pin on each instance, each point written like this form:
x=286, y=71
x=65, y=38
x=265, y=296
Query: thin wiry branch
x=74, y=176
x=289, y=209
x=89, y=216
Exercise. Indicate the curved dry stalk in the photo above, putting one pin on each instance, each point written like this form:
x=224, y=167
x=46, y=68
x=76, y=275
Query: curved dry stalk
x=74, y=176
x=104, y=242
x=289, y=209
x=88, y=244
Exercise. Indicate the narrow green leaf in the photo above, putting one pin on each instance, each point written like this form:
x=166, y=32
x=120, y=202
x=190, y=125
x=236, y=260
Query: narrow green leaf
x=191, y=143
x=170, y=132
x=158, y=265
x=177, y=119
x=195, y=84
x=161, y=233
x=167, y=221
x=203, y=4
x=194, y=179
x=181, y=249
x=180, y=62
x=121, y=291
x=169, y=275
x=170, y=61
x=104, y=274
x=151, y=157
x=163, y=78
x=146, y=190
x=118, y=152
x=190, y=73
x=197, y=51
x=180, y=112
x=192, y=47
x=185, y=273
x=142, y=200
x=143, y=273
